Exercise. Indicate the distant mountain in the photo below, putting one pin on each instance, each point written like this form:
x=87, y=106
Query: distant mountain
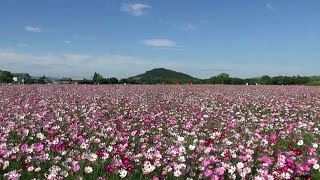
x=162, y=75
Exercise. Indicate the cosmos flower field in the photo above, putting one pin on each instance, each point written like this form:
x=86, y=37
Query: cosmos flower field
x=159, y=132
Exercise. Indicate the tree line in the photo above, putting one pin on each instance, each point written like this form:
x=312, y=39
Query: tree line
x=5, y=77
x=99, y=79
x=223, y=78
x=264, y=80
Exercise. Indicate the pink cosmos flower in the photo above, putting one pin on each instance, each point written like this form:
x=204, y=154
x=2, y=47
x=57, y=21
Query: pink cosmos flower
x=38, y=147
x=155, y=178
x=219, y=171
x=265, y=159
x=187, y=126
x=273, y=138
x=24, y=148
x=208, y=172
x=75, y=167
x=311, y=151
x=206, y=162
x=109, y=169
x=290, y=163
x=126, y=162
x=13, y=175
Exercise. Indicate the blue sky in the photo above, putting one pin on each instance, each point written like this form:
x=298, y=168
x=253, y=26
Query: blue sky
x=124, y=38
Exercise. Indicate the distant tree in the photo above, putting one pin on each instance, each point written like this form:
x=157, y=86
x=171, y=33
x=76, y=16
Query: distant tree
x=98, y=78
x=305, y=80
x=42, y=80
x=265, y=79
x=288, y=80
x=278, y=80
x=113, y=80
x=5, y=77
x=123, y=81
x=237, y=81
x=132, y=81
x=223, y=78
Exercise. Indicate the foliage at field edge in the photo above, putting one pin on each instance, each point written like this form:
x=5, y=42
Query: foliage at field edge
x=166, y=76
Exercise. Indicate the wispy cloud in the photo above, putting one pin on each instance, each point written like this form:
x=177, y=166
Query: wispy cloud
x=135, y=9
x=163, y=43
x=23, y=45
x=120, y=66
x=185, y=26
x=204, y=21
x=77, y=64
x=270, y=7
x=171, y=48
x=190, y=27
x=77, y=57
x=83, y=64
x=67, y=42
x=216, y=69
x=33, y=29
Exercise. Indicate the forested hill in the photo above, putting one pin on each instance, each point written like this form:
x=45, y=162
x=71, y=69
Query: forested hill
x=162, y=75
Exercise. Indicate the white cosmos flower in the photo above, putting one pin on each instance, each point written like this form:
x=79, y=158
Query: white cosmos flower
x=88, y=169
x=300, y=142
x=40, y=136
x=84, y=145
x=37, y=169
x=5, y=165
x=316, y=166
x=148, y=167
x=177, y=173
x=231, y=169
x=240, y=165
x=315, y=145
x=92, y=157
x=105, y=156
x=110, y=148
x=64, y=173
x=123, y=173
x=31, y=168
x=182, y=159
x=191, y=147
x=180, y=139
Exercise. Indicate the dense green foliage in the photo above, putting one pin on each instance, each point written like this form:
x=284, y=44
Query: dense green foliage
x=166, y=76
x=161, y=75
x=41, y=80
x=99, y=79
x=264, y=80
x=5, y=77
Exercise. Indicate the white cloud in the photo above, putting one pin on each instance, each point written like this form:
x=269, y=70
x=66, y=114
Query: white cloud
x=190, y=27
x=77, y=57
x=171, y=48
x=122, y=66
x=23, y=45
x=136, y=9
x=74, y=65
x=204, y=21
x=185, y=26
x=270, y=7
x=32, y=29
x=67, y=42
x=163, y=43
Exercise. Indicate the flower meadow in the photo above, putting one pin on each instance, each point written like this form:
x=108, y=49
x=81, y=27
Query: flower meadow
x=159, y=132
